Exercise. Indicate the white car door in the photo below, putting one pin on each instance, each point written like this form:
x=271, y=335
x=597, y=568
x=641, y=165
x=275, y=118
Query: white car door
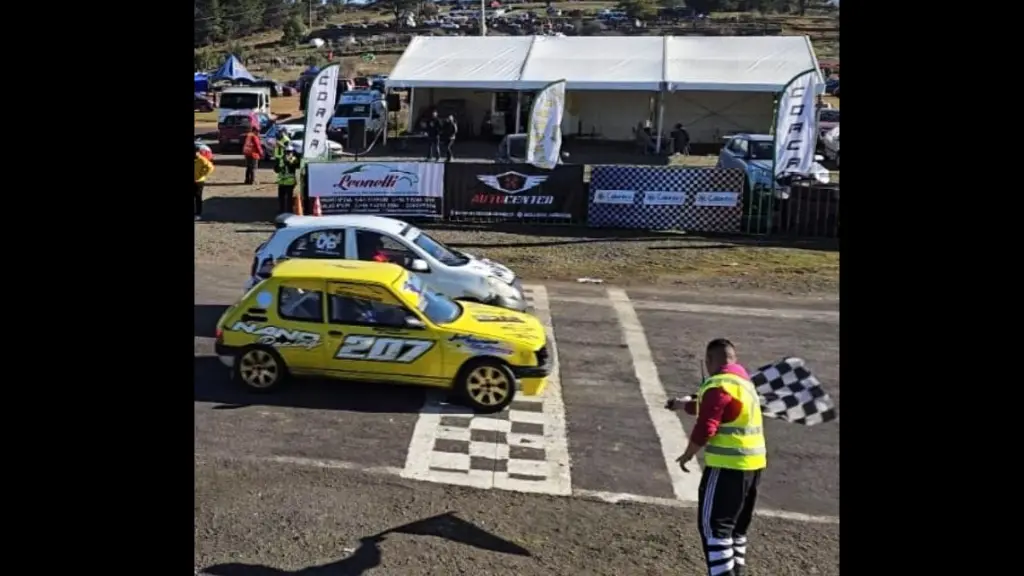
x=372, y=245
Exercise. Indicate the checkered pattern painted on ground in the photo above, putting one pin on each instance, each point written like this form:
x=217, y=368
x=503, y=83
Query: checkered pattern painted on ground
x=688, y=216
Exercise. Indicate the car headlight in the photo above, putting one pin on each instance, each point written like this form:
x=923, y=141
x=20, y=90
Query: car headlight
x=503, y=290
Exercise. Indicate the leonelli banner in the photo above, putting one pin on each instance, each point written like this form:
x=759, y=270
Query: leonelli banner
x=383, y=188
x=514, y=192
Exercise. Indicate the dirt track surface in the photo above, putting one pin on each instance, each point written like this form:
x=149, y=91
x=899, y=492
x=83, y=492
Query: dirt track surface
x=294, y=480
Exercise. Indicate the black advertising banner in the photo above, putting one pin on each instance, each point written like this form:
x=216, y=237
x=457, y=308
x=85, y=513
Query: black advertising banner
x=514, y=193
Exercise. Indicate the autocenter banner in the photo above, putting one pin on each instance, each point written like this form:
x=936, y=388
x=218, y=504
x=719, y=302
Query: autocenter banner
x=515, y=193
x=380, y=188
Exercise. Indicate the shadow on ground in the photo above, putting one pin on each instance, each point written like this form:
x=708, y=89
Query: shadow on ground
x=213, y=384
x=205, y=318
x=580, y=235
x=368, y=554
x=240, y=209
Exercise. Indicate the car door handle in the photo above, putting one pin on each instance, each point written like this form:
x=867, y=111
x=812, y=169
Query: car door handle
x=334, y=333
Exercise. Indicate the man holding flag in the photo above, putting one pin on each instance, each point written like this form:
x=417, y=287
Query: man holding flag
x=729, y=429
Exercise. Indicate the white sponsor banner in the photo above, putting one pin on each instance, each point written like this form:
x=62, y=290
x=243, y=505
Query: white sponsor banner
x=319, y=109
x=796, y=126
x=659, y=198
x=725, y=199
x=544, y=133
x=614, y=196
x=376, y=179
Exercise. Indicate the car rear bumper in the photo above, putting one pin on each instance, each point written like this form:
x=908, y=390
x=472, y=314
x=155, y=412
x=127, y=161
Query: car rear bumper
x=226, y=354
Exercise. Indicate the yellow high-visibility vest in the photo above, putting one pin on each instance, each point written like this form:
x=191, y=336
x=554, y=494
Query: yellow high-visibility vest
x=738, y=445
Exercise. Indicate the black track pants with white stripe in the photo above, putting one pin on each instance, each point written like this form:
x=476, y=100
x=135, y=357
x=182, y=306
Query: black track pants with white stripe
x=725, y=505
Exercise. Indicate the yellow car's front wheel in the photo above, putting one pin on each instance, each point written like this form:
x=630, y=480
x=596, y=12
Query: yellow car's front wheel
x=487, y=385
x=260, y=369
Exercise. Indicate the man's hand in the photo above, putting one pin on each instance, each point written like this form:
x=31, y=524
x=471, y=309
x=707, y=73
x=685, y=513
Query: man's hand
x=683, y=460
x=678, y=403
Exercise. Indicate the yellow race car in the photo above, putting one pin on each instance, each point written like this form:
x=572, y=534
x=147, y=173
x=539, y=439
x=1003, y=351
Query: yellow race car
x=373, y=321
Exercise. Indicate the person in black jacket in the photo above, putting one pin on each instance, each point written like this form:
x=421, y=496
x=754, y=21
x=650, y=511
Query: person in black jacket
x=433, y=128
x=448, y=131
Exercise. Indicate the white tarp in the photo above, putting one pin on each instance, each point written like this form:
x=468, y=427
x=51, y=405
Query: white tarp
x=695, y=63
x=736, y=64
x=482, y=62
x=595, y=63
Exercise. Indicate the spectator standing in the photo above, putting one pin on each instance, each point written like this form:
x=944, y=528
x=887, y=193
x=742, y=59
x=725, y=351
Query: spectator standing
x=286, y=166
x=680, y=140
x=449, y=129
x=252, y=149
x=433, y=129
x=202, y=168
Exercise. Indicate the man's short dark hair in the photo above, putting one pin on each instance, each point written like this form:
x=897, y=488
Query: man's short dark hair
x=720, y=345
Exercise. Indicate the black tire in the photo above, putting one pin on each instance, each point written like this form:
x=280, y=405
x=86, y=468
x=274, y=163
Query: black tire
x=260, y=369
x=486, y=385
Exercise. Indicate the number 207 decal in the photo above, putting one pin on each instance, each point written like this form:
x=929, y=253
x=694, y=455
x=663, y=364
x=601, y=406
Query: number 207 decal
x=375, y=349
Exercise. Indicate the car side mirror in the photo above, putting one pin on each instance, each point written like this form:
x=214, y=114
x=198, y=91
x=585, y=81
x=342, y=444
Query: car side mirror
x=418, y=265
x=818, y=157
x=565, y=155
x=414, y=322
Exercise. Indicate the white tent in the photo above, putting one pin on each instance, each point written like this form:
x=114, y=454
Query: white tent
x=712, y=85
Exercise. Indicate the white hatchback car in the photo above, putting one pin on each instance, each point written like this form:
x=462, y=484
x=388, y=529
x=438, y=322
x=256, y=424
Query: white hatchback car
x=357, y=237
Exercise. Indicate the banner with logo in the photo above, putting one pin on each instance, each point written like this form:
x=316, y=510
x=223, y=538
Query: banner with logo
x=381, y=188
x=319, y=108
x=796, y=126
x=514, y=193
x=665, y=198
x=544, y=132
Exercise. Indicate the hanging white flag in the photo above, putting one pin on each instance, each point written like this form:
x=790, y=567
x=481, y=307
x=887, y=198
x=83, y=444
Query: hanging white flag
x=796, y=127
x=544, y=134
x=319, y=109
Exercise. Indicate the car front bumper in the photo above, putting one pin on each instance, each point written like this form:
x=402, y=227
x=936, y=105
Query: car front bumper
x=533, y=379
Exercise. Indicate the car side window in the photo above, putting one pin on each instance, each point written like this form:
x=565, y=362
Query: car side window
x=741, y=147
x=376, y=247
x=300, y=304
x=360, y=312
x=318, y=244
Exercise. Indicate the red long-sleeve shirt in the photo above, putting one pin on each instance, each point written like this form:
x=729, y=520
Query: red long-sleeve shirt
x=716, y=407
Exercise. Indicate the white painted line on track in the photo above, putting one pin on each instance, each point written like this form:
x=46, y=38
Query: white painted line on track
x=606, y=497
x=556, y=445
x=421, y=446
x=779, y=313
x=667, y=426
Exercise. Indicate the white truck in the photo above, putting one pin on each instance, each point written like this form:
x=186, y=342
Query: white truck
x=369, y=105
x=243, y=99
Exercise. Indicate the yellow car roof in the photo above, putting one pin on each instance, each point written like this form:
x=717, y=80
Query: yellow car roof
x=350, y=270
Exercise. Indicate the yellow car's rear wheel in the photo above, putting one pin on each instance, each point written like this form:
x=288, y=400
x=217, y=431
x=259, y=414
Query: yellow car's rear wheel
x=487, y=385
x=260, y=368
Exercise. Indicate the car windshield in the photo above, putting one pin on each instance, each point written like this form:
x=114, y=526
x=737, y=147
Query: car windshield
x=352, y=111
x=761, y=151
x=439, y=251
x=828, y=116
x=439, y=308
x=237, y=101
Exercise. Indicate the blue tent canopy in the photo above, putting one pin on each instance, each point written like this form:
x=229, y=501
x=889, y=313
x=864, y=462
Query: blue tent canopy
x=231, y=69
x=201, y=81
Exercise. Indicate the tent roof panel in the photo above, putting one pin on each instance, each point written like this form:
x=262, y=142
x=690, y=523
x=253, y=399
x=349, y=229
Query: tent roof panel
x=596, y=63
x=486, y=62
x=740, y=63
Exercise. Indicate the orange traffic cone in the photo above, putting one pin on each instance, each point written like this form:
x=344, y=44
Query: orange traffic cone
x=316, y=206
x=297, y=205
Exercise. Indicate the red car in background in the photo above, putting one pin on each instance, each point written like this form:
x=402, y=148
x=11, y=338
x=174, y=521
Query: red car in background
x=232, y=129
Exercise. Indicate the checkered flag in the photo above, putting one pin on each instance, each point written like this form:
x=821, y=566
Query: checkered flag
x=791, y=393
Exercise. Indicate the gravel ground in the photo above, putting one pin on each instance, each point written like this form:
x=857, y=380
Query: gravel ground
x=237, y=220
x=334, y=522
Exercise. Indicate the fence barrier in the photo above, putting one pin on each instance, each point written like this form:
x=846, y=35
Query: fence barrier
x=617, y=196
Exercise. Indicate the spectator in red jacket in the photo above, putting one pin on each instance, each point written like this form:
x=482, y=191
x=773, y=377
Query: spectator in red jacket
x=252, y=149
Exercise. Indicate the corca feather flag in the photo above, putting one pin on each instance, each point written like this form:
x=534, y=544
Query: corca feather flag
x=796, y=126
x=319, y=109
x=789, y=392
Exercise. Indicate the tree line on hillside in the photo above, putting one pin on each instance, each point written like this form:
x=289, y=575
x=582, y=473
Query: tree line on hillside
x=225, y=20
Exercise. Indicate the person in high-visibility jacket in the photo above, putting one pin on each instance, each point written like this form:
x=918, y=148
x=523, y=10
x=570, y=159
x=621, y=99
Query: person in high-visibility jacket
x=283, y=140
x=202, y=167
x=252, y=149
x=286, y=166
x=729, y=429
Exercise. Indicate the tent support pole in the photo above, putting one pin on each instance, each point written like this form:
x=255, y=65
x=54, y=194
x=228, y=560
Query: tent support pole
x=661, y=120
x=519, y=110
x=412, y=113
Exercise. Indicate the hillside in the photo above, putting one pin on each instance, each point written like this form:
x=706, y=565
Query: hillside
x=366, y=40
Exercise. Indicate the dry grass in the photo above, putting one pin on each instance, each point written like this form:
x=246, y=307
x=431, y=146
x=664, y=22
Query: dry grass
x=238, y=220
